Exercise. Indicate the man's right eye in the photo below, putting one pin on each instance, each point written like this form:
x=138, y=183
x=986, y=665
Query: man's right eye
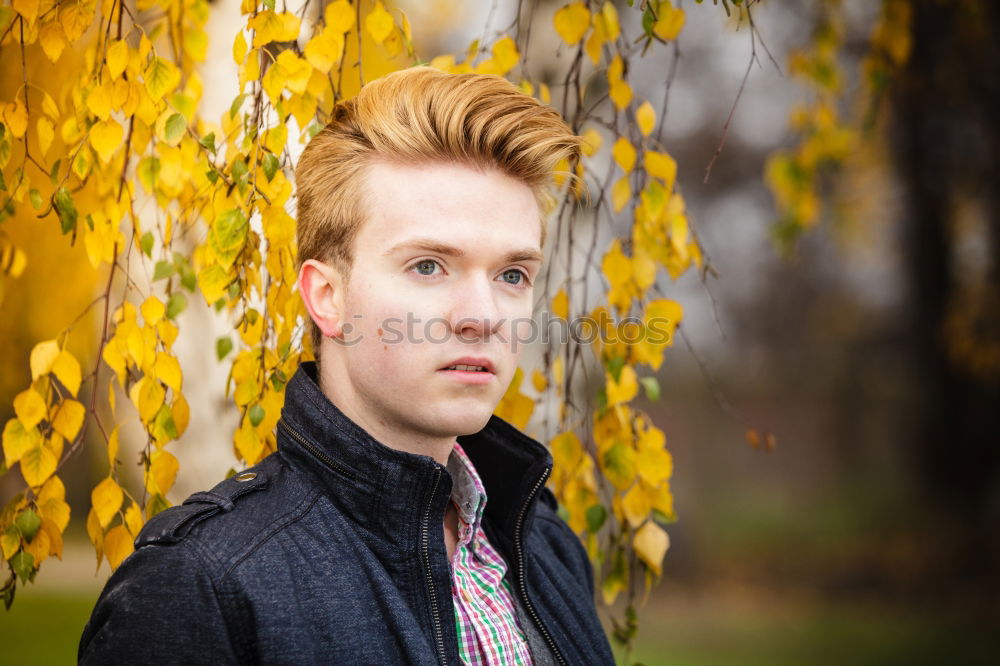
x=425, y=266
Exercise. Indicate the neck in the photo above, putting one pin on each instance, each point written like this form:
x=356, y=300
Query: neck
x=384, y=430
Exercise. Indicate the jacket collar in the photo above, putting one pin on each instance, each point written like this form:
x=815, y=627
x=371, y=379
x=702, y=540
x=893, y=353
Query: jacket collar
x=388, y=492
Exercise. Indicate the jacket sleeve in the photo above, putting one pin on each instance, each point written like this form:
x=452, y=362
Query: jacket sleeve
x=159, y=606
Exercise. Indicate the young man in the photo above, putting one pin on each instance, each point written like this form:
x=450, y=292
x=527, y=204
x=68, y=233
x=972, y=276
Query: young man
x=399, y=521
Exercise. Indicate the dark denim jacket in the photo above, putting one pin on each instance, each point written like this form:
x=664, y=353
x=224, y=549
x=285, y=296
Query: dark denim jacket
x=331, y=551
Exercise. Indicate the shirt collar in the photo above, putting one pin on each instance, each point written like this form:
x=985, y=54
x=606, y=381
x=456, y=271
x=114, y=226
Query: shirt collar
x=467, y=489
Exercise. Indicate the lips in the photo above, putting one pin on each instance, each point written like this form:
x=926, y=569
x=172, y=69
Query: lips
x=471, y=364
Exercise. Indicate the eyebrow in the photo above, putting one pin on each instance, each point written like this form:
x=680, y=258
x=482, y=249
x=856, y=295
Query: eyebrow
x=431, y=245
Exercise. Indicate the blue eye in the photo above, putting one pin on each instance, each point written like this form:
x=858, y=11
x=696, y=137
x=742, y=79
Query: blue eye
x=514, y=276
x=425, y=267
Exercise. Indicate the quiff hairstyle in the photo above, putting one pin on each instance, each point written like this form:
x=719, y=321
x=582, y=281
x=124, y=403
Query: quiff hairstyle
x=416, y=116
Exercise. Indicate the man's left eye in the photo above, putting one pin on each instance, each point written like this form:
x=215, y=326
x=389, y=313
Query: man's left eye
x=514, y=276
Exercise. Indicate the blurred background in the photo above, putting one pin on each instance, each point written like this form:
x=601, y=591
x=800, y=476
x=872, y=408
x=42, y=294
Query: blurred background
x=869, y=348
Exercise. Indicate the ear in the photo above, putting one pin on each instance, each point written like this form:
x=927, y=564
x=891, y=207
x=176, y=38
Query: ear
x=322, y=289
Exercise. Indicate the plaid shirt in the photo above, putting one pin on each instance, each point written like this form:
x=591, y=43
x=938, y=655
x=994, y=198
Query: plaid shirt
x=488, y=631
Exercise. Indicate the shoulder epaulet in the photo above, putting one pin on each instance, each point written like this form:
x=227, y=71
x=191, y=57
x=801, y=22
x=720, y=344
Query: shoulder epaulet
x=173, y=524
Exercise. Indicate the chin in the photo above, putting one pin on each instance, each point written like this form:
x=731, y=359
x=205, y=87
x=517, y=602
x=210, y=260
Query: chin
x=461, y=420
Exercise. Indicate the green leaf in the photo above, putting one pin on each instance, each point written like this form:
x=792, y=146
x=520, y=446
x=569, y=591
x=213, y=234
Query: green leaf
x=148, y=171
x=615, y=366
x=208, y=142
x=239, y=169
x=146, y=243
x=269, y=4
x=28, y=522
x=162, y=270
x=256, y=415
x=54, y=173
x=36, y=199
x=176, y=124
x=212, y=175
x=223, y=346
x=176, y=304
x=66, y=209
x=651, y=385
x=234, y=108
x=3, y=184
x=157, y=503
x=271, y=166
x=10, y=587
x=227, y=235
x=661, y=517
x=24, y=565
x=596, y=515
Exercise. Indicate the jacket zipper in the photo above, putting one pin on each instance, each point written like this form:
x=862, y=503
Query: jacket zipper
x=519, y=548
x=425, y=541
x=315, y=451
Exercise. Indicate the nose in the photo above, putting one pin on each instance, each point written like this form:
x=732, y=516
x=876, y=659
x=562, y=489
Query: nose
x=474, y=312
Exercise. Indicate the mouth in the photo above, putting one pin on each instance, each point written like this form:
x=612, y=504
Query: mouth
x=470, y=370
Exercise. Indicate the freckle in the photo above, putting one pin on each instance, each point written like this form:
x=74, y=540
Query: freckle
x=380, y=331
x=385, y=347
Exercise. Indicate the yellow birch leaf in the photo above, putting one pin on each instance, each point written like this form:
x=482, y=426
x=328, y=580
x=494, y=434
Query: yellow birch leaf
x=295, y=70
x=17, y=440
x=99, y=101
x=593, y=45
x=67, y=369
x=53, y=40
x=655, y=465
x=181, y=413
x=162, y=472
x=118, y=544
x=669, y=24
x=379, y=22
x=106, y=137
x=29, y=407
x=560, y=304
x=624, y=153
x=246, y=391
x=248, y=443
x=106, y=498
x=38, y=463
x=168, y=370
x=572, y=21
x=152, y=310
x=133, y=519
x=325, y=49
x=43, y=356
x=45, y=133
x=150, y=399
x=620, y=93
x=538, y=381
x=505, y=54
x=645, y=117
x=624, y=389
x=51, y=501
x=76, y=18
x=635, y=504
x=161, y=77
x=610, y=17
x=651, y=543
x=117, y=58
x=115, y=361
x=26, y=8
x=16, y=116
x=49, y=107
x=213, y=281
x=96, y=534
x=615, y=69
x=618, y=465
x=239, y=48
x=113, y=448
x=662, y=166
x=567, y=451
x=591, y=142
x=10, y=543
x=39, y=546
x=69, y=418
x=621, y=192
x=53, y=532
x=339, y=16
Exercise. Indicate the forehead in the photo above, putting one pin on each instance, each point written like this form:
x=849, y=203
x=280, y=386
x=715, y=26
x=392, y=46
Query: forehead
x=476, y=208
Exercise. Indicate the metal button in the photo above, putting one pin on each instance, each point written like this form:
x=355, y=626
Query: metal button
x=246, y=476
